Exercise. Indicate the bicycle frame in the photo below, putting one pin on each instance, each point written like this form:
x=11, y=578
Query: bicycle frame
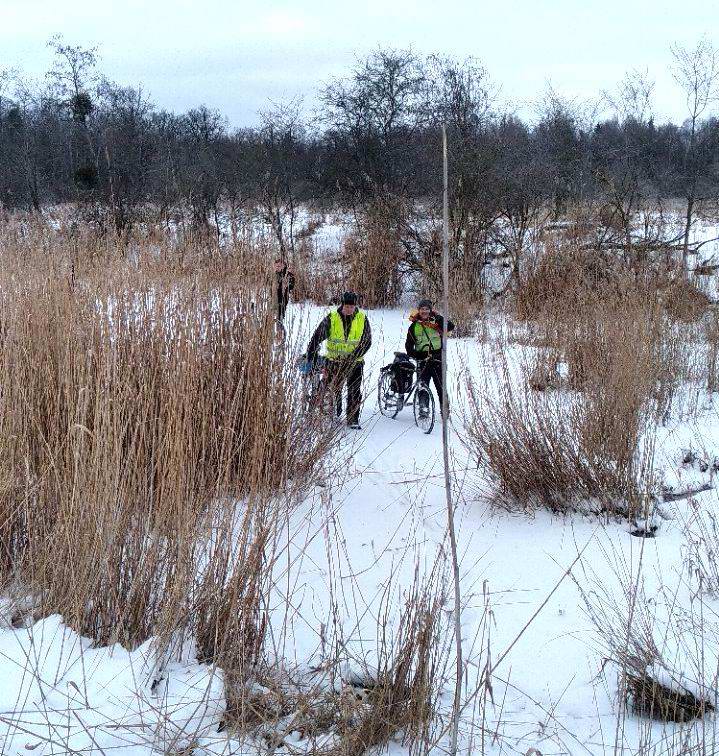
x=408, y=398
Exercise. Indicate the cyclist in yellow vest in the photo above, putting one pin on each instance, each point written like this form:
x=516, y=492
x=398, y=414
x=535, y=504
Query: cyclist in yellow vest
x=424, y=344
x=349, y=336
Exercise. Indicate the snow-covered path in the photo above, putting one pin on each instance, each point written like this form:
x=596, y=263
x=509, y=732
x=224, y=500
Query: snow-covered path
x=548, y=691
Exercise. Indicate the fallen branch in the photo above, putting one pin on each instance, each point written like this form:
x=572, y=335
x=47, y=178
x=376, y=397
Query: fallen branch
x=677, y=495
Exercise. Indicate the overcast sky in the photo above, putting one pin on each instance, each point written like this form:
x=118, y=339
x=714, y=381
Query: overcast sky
x=238, y=56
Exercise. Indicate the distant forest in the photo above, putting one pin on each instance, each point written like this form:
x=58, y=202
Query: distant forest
x=374, y=143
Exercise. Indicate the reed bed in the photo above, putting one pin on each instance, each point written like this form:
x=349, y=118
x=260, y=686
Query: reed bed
x=151, y=427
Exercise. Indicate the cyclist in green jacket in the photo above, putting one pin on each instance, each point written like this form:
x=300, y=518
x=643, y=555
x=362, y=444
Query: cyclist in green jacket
x=424, y=343
x=349, y=336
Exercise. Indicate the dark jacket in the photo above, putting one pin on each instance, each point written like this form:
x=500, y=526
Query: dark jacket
x=435, y=321
x=322, y=333
x=285, y=284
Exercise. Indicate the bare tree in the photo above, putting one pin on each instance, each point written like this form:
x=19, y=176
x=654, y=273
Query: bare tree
x=461, y=97
x=199, y=174
x=624, y=169
x=376, y=123
x=521, y=187
x=697, y=73
x=72, y=73
x=634, y=97
x=34, y=165
x=126, y=151
x=72, y=79
x=372, y=118
x=281, y=140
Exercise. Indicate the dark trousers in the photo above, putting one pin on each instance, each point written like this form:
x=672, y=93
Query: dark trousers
x=432, y=370
x=282, y=300
x=337, y=375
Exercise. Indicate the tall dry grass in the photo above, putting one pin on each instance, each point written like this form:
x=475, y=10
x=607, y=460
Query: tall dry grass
x=149, y=420
x=657, y=645
x=319, y=274
x=372, y=258
x=711, y=334
x=606, y=364
x=544, y=450
x=349, y=706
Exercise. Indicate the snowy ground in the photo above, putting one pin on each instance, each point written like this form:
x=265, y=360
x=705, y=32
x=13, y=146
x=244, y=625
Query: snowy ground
x=371, y=526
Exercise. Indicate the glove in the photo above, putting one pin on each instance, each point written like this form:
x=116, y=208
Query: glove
x=306, y=363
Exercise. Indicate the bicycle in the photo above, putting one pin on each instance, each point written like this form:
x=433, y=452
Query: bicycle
x=402, y=383
x=315, y=386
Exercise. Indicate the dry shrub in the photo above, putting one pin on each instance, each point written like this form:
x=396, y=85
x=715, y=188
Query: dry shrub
x=465, y=295
x=396, y=699
x=542, y=450
x=701, y=532
x=130, y=415
x=228, y=603
x=60, y=248
x=251, y=705
x=612, y=217
x=707, y=268
x=552, y=280
x=626, y=359
x=711, y=334
x=465, y=310
x=544, y=373
x=663, y=648
x=402, y=688
x=309, y=229
x=649, y=698
x=683, y=300
x=319, y=275
x=566, y=272
x=466, y=307
x=592, y=444
x=372, y=258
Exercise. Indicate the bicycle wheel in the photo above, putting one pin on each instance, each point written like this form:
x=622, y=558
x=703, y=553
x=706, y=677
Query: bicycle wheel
x=424, y=408
x=390, y=402
x=319, y=398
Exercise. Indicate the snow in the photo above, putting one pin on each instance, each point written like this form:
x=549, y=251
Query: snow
x=60, y=695
x=354, y=544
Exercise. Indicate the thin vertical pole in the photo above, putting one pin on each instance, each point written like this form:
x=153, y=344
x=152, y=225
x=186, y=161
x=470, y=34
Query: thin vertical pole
x=445, y=450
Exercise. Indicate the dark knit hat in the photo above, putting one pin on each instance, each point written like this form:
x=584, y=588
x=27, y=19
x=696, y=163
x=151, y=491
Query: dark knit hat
x=349, y=298
x=424, y=303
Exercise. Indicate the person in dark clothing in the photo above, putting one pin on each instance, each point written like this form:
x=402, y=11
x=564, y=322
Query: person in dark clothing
x=424, y=343
x=285, y=284
x=349, y=336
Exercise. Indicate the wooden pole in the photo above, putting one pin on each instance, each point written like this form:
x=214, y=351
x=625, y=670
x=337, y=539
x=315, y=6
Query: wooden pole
x=445, y=450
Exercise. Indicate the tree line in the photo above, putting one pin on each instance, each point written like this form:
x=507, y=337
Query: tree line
x=372, y=148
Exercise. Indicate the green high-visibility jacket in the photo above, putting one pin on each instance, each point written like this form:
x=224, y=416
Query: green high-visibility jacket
x=337, y=345
x=426, y=339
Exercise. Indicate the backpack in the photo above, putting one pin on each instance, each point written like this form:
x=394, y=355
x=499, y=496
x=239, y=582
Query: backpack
x=402, y=373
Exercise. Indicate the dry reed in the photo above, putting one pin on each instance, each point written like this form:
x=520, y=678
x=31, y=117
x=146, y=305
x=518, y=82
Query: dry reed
x=148, y=412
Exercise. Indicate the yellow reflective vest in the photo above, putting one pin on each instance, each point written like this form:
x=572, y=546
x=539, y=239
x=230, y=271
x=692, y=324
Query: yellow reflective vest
x=337, y=345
